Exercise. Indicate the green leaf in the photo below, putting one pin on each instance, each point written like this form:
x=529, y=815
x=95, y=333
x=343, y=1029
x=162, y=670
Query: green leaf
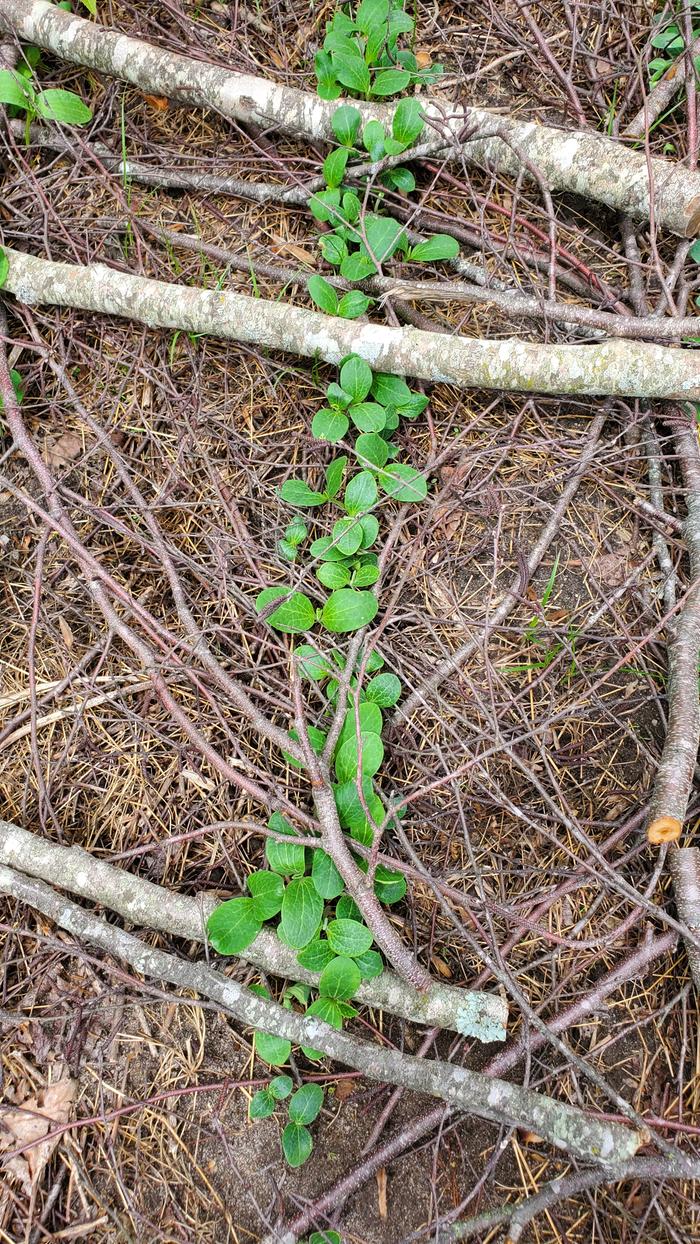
x=347, y=757
x=296, y=1144
x=360, y=493
x=371, y=14
x=401, y=178
x=326, y=550
x=693, y=253
x=327, y=1009
x=328, y=88
x=442, y=246
x=390, y=390
x=351, y=205
x=353, y=304
x=333, y=248
x=302, y=910
x=351, y=812
x=349, y=937
x=262, y=1105
x=312, y=664
x=233, y=925
x=371, y=448
x=334, y=166
x=280, y=1087
x=373, y=140
x=356, y=378
x=370, y=964
x=669, y=40
x=322, y=294
x=383, y=689
x=414, y=406
x=316, y=956
x=305, y=1104
x=348, y=610
x=408, y=122
x=383, y=235
x=389, y=887
x=370, y=717
x=368, y=416
x=346, y=909
x=267, y=889
x=325, y=876
x=400, y=23
x=403, y=483
x=287, y=550
x=91, y=6
x=324, y=205
x=296, y=492
x=335, y=473
x=14, y=90
x=345, y=124
x=337, y=397
x=329, y=425
x=356, y=267
x=370, y=528
x=365, y=576
x=390, y=82
x=294, y=615
x=296, y=531
x=341, y=979
x=333, y=575
x=4, y=270
x=271, y=1049
x=351, y=70
x=347, y=534
x=325, y=1237
x=64, y=106
x=288, y=859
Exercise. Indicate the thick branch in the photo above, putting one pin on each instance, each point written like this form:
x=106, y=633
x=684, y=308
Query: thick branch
x=622, y=368
x=583, y=163
x=565, y=1127
x=479, y=1015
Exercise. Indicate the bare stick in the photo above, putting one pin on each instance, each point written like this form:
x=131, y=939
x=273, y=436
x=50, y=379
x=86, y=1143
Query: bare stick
x=581, y=1135
x=577, y=161
x=623, y=368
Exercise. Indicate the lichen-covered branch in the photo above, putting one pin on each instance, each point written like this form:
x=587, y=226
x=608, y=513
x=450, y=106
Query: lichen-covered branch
x=479, y=1015
x=572, y=161
x=684, y=863
x=567, y=1128
x=622, y=368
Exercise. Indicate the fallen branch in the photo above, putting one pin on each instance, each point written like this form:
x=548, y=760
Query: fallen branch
x=563, y=1126
x=621, y=368
x=684, y=864
x=571, y=161
x=479, y=1015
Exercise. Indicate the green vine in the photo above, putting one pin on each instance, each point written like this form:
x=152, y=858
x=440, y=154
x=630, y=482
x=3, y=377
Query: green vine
x=301, y=891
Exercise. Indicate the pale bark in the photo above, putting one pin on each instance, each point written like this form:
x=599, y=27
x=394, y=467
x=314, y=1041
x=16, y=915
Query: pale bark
x=566, y=1128
x=684, y=863
x=573, y=161
x=479, y=1015
x=615, y=368
x=662, y=94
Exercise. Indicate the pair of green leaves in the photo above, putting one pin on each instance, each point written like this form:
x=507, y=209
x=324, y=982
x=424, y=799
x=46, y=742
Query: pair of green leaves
x=347, y=609
x=293, y=537
x=17, y=91
x=350, y=306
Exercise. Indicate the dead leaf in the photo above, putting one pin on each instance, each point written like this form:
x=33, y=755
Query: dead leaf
x=448, y=520
x=159, y=102
x=442, y=968
x=381, y=1192
x=423, y=58
x=33, y=1118
x=297, y=252
x=344, y=1089
x=611, y=568
x=64, y=449
x=66, y=633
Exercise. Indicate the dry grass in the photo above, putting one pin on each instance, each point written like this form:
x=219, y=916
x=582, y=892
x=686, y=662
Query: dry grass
x=546, y=742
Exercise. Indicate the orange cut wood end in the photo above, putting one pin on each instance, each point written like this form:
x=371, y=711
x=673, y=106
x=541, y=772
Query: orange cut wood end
x=664, y=829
